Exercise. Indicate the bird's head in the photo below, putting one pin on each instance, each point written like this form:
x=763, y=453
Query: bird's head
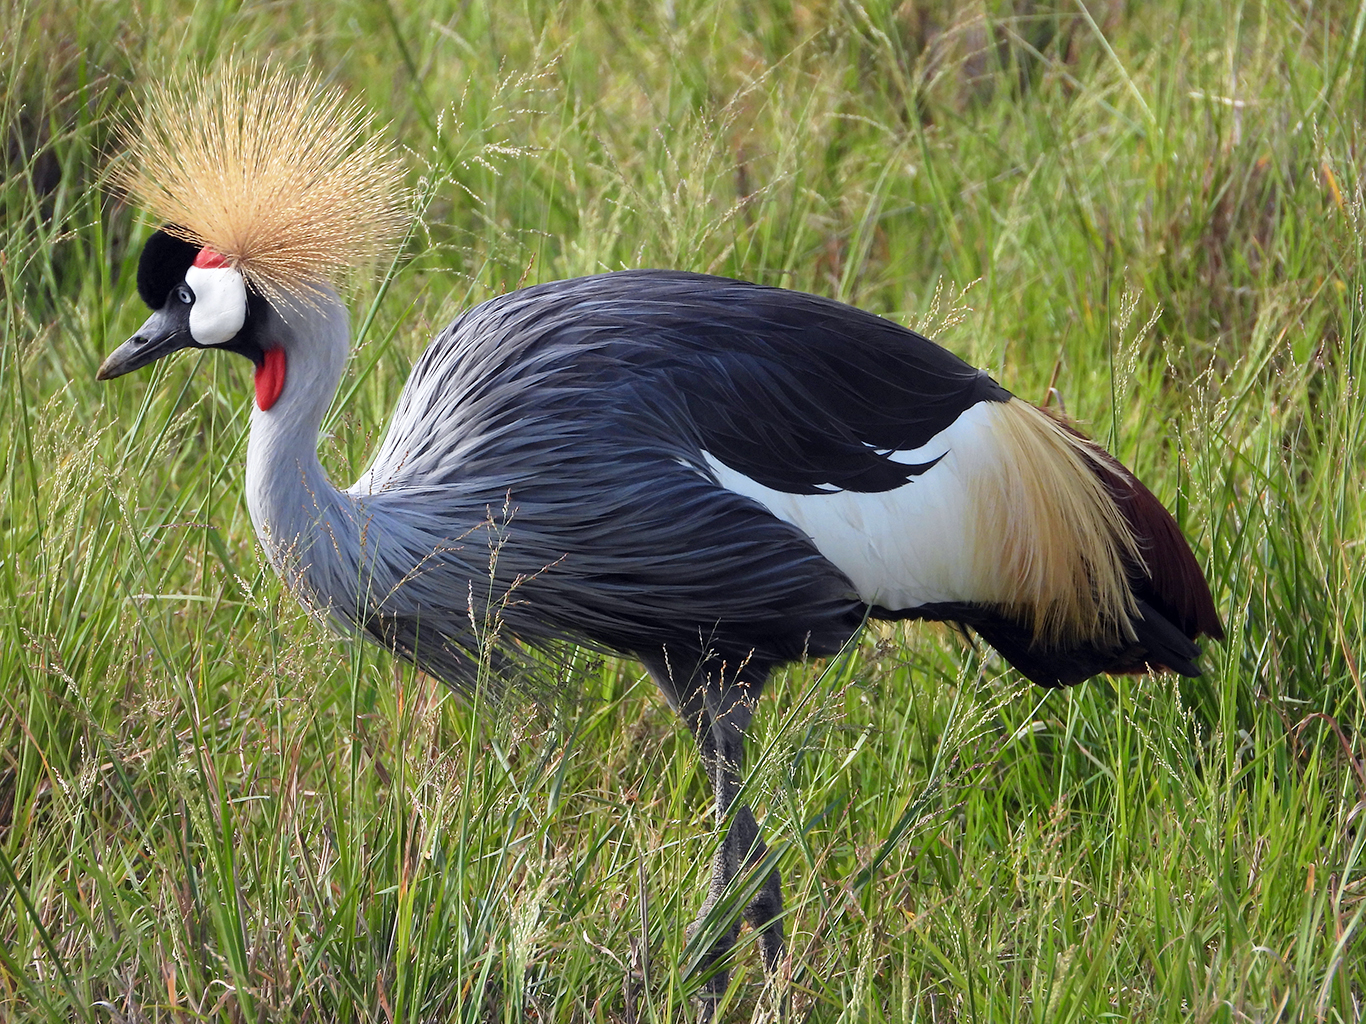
x=198, y=300
x=275, y=190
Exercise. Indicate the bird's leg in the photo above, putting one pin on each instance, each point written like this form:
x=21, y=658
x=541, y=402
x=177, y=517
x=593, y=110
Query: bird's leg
x=721, y=734
x=725, y=784
x=747, y=849
x=718, y=711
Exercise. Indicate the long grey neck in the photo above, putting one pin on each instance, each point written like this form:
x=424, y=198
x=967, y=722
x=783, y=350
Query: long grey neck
x=304, y=523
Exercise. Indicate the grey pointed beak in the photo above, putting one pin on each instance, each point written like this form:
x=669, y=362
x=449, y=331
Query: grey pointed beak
x=159, y=336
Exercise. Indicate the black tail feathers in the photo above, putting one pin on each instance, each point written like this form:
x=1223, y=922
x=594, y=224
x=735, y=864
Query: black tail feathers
x=1157, y=645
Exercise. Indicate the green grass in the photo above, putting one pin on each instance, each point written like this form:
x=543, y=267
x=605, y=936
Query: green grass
x=1152, y=214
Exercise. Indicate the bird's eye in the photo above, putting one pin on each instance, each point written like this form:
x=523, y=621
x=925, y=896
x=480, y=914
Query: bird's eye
x=183, y=294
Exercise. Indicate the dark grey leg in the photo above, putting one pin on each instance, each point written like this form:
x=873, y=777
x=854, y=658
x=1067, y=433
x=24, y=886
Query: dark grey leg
x=719, y=711
x=764, y=912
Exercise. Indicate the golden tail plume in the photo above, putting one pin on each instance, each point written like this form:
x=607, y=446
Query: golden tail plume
x=1050, y=534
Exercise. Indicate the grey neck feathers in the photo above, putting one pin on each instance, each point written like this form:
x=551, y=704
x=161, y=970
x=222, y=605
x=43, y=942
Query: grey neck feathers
x=307, y=527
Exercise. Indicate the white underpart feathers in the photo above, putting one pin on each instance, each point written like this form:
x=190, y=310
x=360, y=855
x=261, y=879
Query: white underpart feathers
x=220, y=304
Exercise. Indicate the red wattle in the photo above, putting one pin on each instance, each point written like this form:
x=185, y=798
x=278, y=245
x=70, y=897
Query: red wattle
x=270, y=378
x=210, y=260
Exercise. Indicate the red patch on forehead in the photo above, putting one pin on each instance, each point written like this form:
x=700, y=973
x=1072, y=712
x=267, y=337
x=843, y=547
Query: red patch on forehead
x=210, y=260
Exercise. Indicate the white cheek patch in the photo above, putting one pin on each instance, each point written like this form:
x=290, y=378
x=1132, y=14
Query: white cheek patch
x=220, y=304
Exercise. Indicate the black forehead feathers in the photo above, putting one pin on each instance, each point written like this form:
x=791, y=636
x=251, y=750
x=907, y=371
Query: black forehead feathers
x=165, y=259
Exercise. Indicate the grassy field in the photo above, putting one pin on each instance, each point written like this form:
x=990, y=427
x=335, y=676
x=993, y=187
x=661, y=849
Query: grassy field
x=1148, y=214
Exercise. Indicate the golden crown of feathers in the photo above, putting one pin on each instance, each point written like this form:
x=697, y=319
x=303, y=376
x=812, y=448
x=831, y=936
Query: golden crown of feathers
x=275, y=171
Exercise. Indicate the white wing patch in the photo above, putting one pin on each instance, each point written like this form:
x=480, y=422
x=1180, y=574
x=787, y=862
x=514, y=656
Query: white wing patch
x=910, y=546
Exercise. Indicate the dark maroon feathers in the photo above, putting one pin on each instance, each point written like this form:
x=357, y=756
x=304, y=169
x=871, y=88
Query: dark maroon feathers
x=1170, y=579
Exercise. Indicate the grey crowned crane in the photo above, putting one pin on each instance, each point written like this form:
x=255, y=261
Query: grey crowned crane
x=712, y=477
